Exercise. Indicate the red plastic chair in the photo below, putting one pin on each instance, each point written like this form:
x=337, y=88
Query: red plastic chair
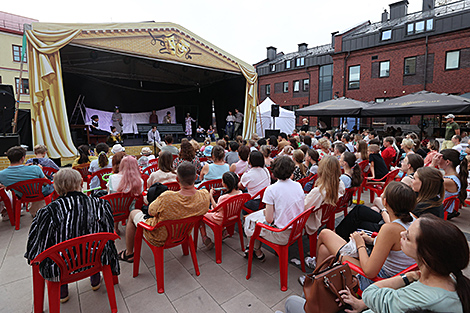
x=120, y=205
x=49, y=171
x=328, y=219
x=77, y=259
x=203, y=159
x=31, y=191
x=214, y=183
x=375, y=186
x=261, y=205
x=53, y=196
x=145, y=178
x=274, y=153
x=153, y=161
x=8, y=205
x=174, y=186
x=100, y=175
x=83, y=170
x=344, y=201
x=231, y=208
x=179, y=233
x=150, y=169
x=305, y=180
x=297, y=226
x=447, y=203
x=364, y=166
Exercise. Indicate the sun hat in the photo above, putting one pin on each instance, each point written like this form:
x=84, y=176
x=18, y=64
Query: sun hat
x=146, y=150
x=450, y=116
x=208, y=151
x=117, y=148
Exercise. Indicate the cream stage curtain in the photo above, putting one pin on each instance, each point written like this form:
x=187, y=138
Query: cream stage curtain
x=251, y=101
x=49, y=120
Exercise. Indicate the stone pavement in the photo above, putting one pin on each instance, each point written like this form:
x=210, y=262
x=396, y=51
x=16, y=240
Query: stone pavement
x=220, y=287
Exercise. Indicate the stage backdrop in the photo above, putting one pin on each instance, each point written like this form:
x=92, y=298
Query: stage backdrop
x=129, y=120
x=166, y=41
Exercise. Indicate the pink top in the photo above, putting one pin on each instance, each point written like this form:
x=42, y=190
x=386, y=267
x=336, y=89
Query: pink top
x=218, y=216
x=428, y=159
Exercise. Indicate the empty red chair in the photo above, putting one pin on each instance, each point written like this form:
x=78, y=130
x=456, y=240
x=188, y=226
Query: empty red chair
x=447, y=203
x=174, y=186
x=150, y=169
x=328, y=219
x=77, y=259
x=153, y=161
x=120, y=205
x=214, y=183
x=49, y=171
x=83, y=169
x=377, y=186
x=179, y=233
x=297, y=226
x=261, y=205
x=344, y=201
x=31, y=191
x=100, y=175
x=8, y=205
x=231, y=208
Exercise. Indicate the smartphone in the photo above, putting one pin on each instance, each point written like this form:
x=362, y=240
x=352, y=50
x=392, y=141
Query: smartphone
x=35, y=161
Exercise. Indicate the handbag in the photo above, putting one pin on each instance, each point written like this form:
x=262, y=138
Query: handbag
x=322, y=286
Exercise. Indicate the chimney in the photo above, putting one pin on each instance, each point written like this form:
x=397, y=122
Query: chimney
x=428, y=5
x=398, y=9
x=333, y=34
x=302, y=47
x=272, y=51
x=384, y=16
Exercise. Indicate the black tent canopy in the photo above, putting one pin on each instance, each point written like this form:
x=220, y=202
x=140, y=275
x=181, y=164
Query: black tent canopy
x=335, y=107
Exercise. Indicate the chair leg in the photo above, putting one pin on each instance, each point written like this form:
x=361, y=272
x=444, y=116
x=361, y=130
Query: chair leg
x=283, y=266
x=184, y=247
x=137, y=250
x=17, y=214
x=240, y=232
x=53, y=291
x=313, y=244
x=301, y=253
x=250, y=256
x=218, y=243
x=231, y=230
x=115, y=280
x=158, y=254
x=38, y=290
x=108, y=280
x=192, y=248
x=196, y=233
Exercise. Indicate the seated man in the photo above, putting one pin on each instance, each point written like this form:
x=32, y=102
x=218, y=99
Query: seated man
x=72, y=215
x=40, y=151
x=170, y=205
x=169, y=146
x=153, y=136
x=389, y=154
x=17, y=172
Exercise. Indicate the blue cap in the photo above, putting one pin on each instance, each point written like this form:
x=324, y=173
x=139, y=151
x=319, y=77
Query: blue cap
x=208, y=151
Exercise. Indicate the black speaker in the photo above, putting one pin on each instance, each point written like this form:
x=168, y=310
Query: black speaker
x=271, y=132
x=7, y=108
x=275, y=110
x=8, y=141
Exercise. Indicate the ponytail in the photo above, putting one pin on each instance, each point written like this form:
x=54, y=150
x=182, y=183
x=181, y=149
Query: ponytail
x=463, y=289
x=102, y=149
x=356, y=179
x=463, y=175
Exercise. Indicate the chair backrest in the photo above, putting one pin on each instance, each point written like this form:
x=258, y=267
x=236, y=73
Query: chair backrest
x=49, y=171
x=214, y=183
x=390, y=176
x=274, y=153
x=83, y=169
x=203, y=159
x=100, y=175
x=307, y=179
x=77, y=258
x=363, y=166
x=452, y=201
x=120, y=204
x=31, y=189
x=344, y=201
x=145, y=178
x=232, y=207
x=178, y=230
x=327, y=210
x=175, y=186
x=150, y=169
x=153, y=161
x=297, y=225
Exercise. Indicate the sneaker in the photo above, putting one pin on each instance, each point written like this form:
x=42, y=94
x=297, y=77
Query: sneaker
x=453, y=214
x=311, y=262
x=301, y=280
x=95, y=281
x=64, y=293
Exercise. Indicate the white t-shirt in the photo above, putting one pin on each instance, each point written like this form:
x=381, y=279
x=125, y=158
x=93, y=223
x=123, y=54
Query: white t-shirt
x=287, y=197
x=115, y=180
x=256, y=179
x=459, y=147
x=95, y=167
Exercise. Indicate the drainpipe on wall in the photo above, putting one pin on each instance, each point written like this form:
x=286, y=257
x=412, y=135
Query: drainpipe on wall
x=425, y=64
x=309, y=88
x=345, y=72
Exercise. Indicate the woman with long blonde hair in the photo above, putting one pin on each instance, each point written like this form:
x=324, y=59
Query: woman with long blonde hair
x=362, y=153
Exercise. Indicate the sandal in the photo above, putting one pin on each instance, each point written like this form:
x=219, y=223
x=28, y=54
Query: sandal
x=261, y=257
x=122, y=256
x=208, y=243
x=225, y=234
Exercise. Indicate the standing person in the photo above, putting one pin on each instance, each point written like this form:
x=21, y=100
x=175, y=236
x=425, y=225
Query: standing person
x=153, y=118
x=117, y=120
x=229, y=127
x=167, y=118
x=452, y=128
x=153, y=136
x=238, y=123
x=189, y=129
x=304, y=126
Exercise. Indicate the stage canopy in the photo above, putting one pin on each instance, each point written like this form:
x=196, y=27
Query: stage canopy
x=135, y=66
x=285, y=122
x=335, y=107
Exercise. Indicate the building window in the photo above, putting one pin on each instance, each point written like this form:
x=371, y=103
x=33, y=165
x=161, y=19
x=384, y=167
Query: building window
x=410, y=66
x=306, y=82
x=429, y=24
x=268, y=89
x=410, y=29
x=287, y=64
x=285, y=87
x=387, y=34
x=300, y=62
x=296, y=85
x=273, y=67
x=354, y=76
x=17, y=54
x=419, y=27
x=23, y=88
x=384, y=69
x=452, y=60
x=325, y=83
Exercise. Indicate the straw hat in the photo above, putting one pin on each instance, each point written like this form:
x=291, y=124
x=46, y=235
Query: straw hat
x=146, y=151
x=117, y=148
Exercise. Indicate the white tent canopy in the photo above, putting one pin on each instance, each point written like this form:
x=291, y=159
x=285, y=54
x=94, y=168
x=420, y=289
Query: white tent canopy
x=285, y=122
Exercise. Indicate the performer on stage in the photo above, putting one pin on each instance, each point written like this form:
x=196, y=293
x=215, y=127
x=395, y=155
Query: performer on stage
x=117, y=120
x=238, y=123
x=230, y=125
x=167, y=118
x=200, y=132
x=189, y=130
x=211, y=133
x=153, y=119
x=154, y=136
x=95, y=128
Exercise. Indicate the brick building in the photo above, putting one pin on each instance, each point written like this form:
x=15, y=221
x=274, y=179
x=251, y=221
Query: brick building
x=401, y=54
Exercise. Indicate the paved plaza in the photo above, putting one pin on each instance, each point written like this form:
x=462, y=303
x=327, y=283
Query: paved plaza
x=220, y=287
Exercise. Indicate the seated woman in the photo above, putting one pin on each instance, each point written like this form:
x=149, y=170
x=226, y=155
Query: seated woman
x=433, y=147
x=72, y=215
x=242, y=166
x=187, y=153
x=116, y=162
x=409, y=166
x=256, y=179
x=352, y=176
x=441, y=251
x=407, y=146
x=300, y=170
x=166, y=173
x=325, y=146
x=454, y=184
x=272, y=142
x=386, y=258
x=216, y=169
x=266, y=151
x=280, y=210
x=230, y=182
x=84, y=156
x=102, y=162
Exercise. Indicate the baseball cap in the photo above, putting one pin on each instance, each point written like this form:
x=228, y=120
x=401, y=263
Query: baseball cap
x=208, y=151
x=450, y=116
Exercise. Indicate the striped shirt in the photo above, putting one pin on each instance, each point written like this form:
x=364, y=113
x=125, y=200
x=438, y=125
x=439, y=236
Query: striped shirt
x=68, y=217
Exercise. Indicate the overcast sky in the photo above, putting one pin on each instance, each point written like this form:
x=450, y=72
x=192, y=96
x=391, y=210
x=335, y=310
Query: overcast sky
x=243, y=28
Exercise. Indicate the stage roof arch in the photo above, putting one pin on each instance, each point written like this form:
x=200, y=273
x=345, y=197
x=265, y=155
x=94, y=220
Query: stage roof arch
x=163, y=42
